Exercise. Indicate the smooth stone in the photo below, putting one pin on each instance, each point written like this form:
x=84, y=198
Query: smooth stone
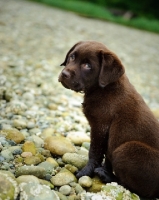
x=13, y=134
x=75, y=159
x=3, y=141
x=64, y=177
x=32, y=160
x=35, y=131
x=48, y=177
x=96, y=185
x=71, y=168
x=7, y=154
x=61, y=196
x=31, y=170
x=30, y=125
x=19, y=123
x=15, y=149
x=85, y=181
x=45, y=182
x=52, y=161
x=47, y=133
x=2, y=159
x=37, y=192
x=46, y=153
x=28, y=96
x=83, y=151
x=29, y=146
x=65, y=189
x=37, y=140
x=78, y=137
x=8, y=186
x=26, y=154
x=27, y=179
x=86, y=145
x=58, y=145
x=47, y=166
x=78, y=189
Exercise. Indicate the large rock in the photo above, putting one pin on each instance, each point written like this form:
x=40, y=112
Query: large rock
x=115, y=191
x=35, y=191
x=8, y=186
x=59, y=145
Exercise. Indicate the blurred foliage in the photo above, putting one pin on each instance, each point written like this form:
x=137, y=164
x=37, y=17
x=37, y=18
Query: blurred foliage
x=149, y=8
x=97, y=9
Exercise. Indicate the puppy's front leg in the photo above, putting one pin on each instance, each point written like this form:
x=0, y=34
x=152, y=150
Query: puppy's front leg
x=96, y=153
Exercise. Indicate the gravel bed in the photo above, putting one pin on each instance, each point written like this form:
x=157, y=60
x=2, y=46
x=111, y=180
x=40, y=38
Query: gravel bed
x=44, y=137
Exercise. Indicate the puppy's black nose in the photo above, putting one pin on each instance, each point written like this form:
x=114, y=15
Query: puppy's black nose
x=66, y=74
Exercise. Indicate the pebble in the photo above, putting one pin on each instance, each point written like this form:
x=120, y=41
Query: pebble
x=31, y=170
x=19, y=124
x=27, y=179
x=47, y=166
x=52, y=161
x=2, y=159
x=75, y=159
x=26, y=154
x=78, y=137
x=29, y=146
x=32, y=160
x=36, y=140
x=47, y=132
x=30, y=125
x=58, y=145
x=64, y=177
x=65, y=189
x=85, y=181
x=13, y=134
x=7, y=154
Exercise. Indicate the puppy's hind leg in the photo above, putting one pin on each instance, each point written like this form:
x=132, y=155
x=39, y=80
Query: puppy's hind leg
x=136, y=165
x=105, y=172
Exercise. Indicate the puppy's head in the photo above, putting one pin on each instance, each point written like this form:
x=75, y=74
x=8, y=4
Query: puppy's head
x=89, y=65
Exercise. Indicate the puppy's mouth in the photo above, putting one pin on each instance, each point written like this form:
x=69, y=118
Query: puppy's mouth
x=73, y=85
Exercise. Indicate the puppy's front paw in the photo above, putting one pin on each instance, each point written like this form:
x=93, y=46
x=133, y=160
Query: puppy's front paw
x=104, y=175
x=88, y=170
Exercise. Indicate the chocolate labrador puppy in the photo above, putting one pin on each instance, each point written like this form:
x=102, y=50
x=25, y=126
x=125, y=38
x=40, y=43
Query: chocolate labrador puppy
x=124, y=132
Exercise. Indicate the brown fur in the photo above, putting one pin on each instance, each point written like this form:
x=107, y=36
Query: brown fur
x=123, y=129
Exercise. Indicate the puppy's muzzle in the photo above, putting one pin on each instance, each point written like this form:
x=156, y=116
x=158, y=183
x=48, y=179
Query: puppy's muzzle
x=66, y=74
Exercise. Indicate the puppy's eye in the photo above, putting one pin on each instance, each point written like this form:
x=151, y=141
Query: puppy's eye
x=87, y=66
x=72, y=57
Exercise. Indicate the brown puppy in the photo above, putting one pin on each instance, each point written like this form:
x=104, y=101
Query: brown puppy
x=123, y=129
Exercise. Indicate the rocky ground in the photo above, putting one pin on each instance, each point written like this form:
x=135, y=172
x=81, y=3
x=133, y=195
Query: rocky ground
x=44, y=137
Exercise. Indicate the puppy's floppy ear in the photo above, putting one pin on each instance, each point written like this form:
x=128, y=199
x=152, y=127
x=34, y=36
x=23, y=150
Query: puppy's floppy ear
x=111, y=68
x=65, y=61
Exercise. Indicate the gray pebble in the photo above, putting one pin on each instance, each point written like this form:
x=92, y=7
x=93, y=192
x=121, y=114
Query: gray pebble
x=7, y=155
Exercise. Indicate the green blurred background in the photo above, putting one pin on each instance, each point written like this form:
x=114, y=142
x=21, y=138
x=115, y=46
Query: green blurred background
x=142, y=14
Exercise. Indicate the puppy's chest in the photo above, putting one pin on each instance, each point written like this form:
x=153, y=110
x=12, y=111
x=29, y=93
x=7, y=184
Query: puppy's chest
x=94, y=110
